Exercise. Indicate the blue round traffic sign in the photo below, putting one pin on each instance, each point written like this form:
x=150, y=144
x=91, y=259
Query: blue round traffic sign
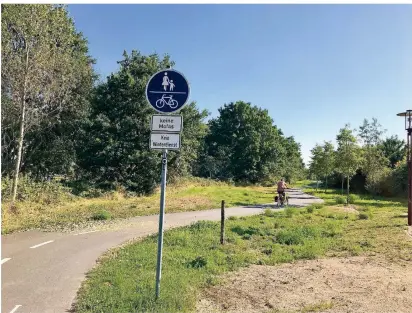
x=167, y=91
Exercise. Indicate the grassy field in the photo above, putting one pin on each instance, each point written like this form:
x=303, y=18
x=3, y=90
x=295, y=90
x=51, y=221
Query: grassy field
x=194, y=259
x=81, y=212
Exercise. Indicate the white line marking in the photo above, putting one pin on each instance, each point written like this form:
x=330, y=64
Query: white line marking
x=41, y=244
x=86, y=232
x=5, y=260
x=15, y=308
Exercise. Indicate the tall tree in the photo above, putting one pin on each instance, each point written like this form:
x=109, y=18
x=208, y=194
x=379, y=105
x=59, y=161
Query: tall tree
x=374, y=162
x=348, y=156
x=115, y=149
x=394, y=149
x=371, y=132
x=43, y=61
x=246, y=144
x=315, y=166
x=374, y=166
x=293, y=162
x=327, y=161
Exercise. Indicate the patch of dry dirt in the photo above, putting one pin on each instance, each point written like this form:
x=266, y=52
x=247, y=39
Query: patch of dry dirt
x=349, y=209
x=409, y=231
x=355, y=285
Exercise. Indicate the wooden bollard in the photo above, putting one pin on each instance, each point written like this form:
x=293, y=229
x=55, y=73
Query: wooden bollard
x=222, y=223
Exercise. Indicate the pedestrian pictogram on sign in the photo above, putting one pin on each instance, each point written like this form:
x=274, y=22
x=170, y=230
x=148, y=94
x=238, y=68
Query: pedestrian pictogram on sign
x=167, y=91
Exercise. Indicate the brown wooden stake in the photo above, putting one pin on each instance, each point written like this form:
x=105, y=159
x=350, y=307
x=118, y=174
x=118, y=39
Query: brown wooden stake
x=222, y=223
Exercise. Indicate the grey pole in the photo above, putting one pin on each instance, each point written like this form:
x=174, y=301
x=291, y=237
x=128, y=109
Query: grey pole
x=161, y=218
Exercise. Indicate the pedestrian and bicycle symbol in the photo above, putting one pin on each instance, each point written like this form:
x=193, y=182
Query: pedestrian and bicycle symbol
x=167, y=91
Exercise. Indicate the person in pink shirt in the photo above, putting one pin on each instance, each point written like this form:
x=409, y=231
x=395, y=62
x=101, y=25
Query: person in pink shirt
x=282, y=186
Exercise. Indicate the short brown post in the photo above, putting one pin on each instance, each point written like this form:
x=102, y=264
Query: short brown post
x=222, y=223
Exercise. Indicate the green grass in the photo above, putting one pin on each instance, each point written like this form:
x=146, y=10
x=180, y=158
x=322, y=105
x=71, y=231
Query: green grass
x=187, y=196
x=320, y=307
x=101, y=215
x=193, y=258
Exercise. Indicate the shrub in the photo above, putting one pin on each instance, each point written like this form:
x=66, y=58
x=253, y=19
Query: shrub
x=43, y=192
x=101, y=215
x=269, y=213
x=198, y=262
x=317, y=206
x=289, y=237
x=247, y=237
x=340, y=200
x=363, y=216
x=310, y=209
x=353, y=199
x=380, y=182
x=232, y=218
x=290, y=212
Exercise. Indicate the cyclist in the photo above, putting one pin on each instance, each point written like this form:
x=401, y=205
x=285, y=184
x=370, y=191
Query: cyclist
x=281, y=189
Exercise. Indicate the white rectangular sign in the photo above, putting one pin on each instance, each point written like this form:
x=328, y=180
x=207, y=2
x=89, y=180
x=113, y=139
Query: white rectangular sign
x=164, y=141
x=167, y=123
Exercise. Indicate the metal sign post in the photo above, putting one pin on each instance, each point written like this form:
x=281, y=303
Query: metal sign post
x=161, y=222
x=167, y=92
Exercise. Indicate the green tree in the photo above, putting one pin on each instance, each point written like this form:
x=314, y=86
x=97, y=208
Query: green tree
x=393, y=149
x=374, y=166
x=371, y=132
x=293, y=163
x=43, y=61
x=327, y=161
x=348, y=155
x=246, y=144
x=315, y=165
x=374, y=162
x=115, y=150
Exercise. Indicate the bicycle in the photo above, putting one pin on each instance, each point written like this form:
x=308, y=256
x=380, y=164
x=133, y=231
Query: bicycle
x=281, y=199
x=164, y=100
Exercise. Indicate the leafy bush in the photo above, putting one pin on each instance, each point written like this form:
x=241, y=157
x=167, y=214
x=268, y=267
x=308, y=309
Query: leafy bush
x=400, y=179
x=366, y=214
x=198, y=262
x=101, y=215
x=290, y=212
x=269, y=213
x=340, y=200
x=247, y=237
x=43, y=192
x=353, y=199
x=317, y=206
x=363, y=216
x=310, y=209
x=380, y=182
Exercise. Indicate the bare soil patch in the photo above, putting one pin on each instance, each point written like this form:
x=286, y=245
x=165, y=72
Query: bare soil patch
x=336, y=285
x=409, y=231
x=348, y=209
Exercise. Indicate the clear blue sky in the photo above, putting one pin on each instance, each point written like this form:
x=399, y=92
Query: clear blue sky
x=314, y=67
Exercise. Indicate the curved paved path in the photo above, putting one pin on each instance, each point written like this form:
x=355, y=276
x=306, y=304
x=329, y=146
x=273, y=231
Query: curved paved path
x=41, y=272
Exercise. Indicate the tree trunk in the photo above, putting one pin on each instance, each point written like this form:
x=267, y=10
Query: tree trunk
x=19, y=152
x=21, y=134
x=347, y=191
x=343, y=179
x=326, y=184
